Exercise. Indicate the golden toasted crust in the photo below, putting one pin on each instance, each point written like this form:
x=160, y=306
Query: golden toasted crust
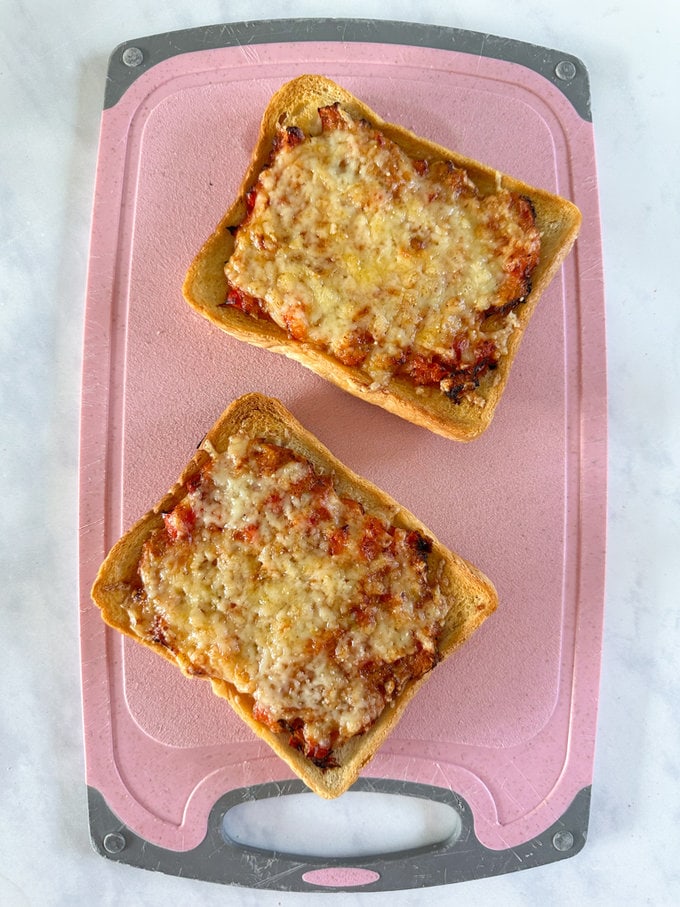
x=205, y=286
x=471, y=595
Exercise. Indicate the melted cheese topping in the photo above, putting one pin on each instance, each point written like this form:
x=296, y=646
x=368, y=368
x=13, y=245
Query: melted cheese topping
x=264, y=576
x=374, y=257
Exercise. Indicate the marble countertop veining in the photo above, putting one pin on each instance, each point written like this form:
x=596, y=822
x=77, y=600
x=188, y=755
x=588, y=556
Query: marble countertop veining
x=52, y=75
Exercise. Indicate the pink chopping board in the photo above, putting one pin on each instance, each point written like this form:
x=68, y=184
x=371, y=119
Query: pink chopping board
x=503, y=733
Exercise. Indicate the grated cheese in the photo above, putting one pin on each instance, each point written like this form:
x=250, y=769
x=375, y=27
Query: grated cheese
x=266, y=577
x=347, y=243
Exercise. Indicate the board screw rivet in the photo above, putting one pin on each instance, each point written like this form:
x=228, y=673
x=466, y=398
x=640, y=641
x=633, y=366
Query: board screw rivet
x=132, y=56
x=563, y=841
x=114, y=842
x=565, y=70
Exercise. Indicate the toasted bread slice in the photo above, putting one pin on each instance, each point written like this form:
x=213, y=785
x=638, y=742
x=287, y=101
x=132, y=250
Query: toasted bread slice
x=453, y=597
x=462, y=405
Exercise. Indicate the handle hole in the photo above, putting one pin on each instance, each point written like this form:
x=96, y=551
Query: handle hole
x=358, y=824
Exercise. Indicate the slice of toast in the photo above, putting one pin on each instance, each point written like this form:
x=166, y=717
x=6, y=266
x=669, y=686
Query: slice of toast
x=462, y=404
x=454, y=598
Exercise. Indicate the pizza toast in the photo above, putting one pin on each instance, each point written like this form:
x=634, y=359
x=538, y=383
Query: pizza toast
x=289, y=285
x=193, y=528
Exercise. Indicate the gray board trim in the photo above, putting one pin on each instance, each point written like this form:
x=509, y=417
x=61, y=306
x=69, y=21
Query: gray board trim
x=565, y=71
x=218, y=859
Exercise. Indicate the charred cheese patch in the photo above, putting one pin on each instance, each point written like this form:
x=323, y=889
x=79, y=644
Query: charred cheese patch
x=393, y=265
x=268, y=578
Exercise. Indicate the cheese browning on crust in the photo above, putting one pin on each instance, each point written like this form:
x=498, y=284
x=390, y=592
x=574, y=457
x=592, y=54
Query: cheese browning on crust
x=396, y=266
x=266, y=577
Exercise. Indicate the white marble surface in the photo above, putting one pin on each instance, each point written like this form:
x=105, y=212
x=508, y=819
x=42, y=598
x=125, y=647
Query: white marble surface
x=51, y=84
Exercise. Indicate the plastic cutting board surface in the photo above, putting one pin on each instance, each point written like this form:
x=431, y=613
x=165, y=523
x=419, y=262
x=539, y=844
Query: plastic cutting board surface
x=506, y=727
